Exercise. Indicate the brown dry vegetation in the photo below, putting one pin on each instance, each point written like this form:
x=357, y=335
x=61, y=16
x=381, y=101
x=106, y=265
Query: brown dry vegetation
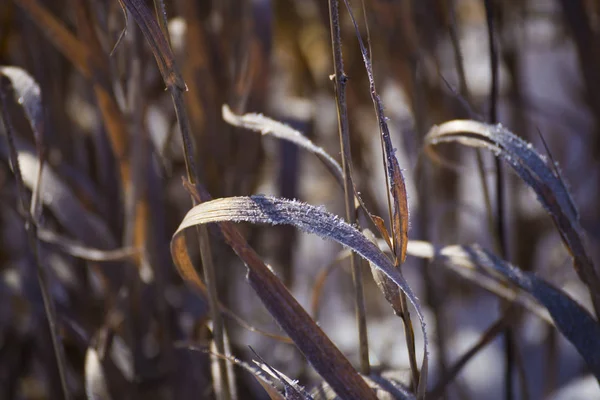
x=151, y=151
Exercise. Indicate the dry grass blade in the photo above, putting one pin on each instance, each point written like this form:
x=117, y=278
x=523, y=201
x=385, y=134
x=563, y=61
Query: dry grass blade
x=394, y=175
x=258, y=373
x=33, y=241
x=268, y=126
x=387, y=287
x=75, y=249
x=340, y=81
x=397, y=188
x=293, y=391
x=541, y=177
x=28, y=95
x=156, y=38
x=274, y=211
x=157, y=41
x=96, y=387
x=571, y=319
x=60, y=199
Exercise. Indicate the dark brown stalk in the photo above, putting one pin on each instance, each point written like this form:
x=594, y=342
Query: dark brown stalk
x=176, y=86
x=344, y=131
x=31, y=229
x=396, y=187
x=500, y=206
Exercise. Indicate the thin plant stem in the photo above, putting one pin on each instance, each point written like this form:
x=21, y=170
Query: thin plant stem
x=340, y=81
x=31, y=229
x=208, y=269
x=500, y=205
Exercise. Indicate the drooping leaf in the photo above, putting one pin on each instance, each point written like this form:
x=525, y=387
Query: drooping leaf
x=274, y=211
x=268, y=126
x=571, y=319
x=543, y=178
x=28, y=95
x=60, y=199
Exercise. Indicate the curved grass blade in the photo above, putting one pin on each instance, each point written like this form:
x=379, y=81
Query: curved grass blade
x=462, y=267
x=571, y=319
x=75, y=249
x=28, y=94
x=60, y=199
x=325, y=357
x=268, y=126
x=275, y=211
x=544, y=179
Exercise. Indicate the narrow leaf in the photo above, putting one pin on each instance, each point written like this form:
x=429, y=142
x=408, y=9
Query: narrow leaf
x=571, y=319
x=28, y=95
x=159, y=44
x=393, y=173
x=533, y=168
x=268, y=126
x=96, y=387
x=325, y=357
x=274, y=211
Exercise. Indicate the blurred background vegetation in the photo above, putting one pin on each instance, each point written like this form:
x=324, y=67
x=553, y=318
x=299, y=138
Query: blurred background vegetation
x=108, y=128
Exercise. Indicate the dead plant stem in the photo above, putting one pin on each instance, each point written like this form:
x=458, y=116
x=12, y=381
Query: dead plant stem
x=500, y=205
x=340, y=81
x=31, y=229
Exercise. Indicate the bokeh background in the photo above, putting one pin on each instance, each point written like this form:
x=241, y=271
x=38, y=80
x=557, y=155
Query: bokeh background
x=432, y=64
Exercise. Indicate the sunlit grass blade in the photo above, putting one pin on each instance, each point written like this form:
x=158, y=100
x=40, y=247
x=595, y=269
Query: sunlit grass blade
x=269, y=210
x=534, y=170
x=571, y=319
